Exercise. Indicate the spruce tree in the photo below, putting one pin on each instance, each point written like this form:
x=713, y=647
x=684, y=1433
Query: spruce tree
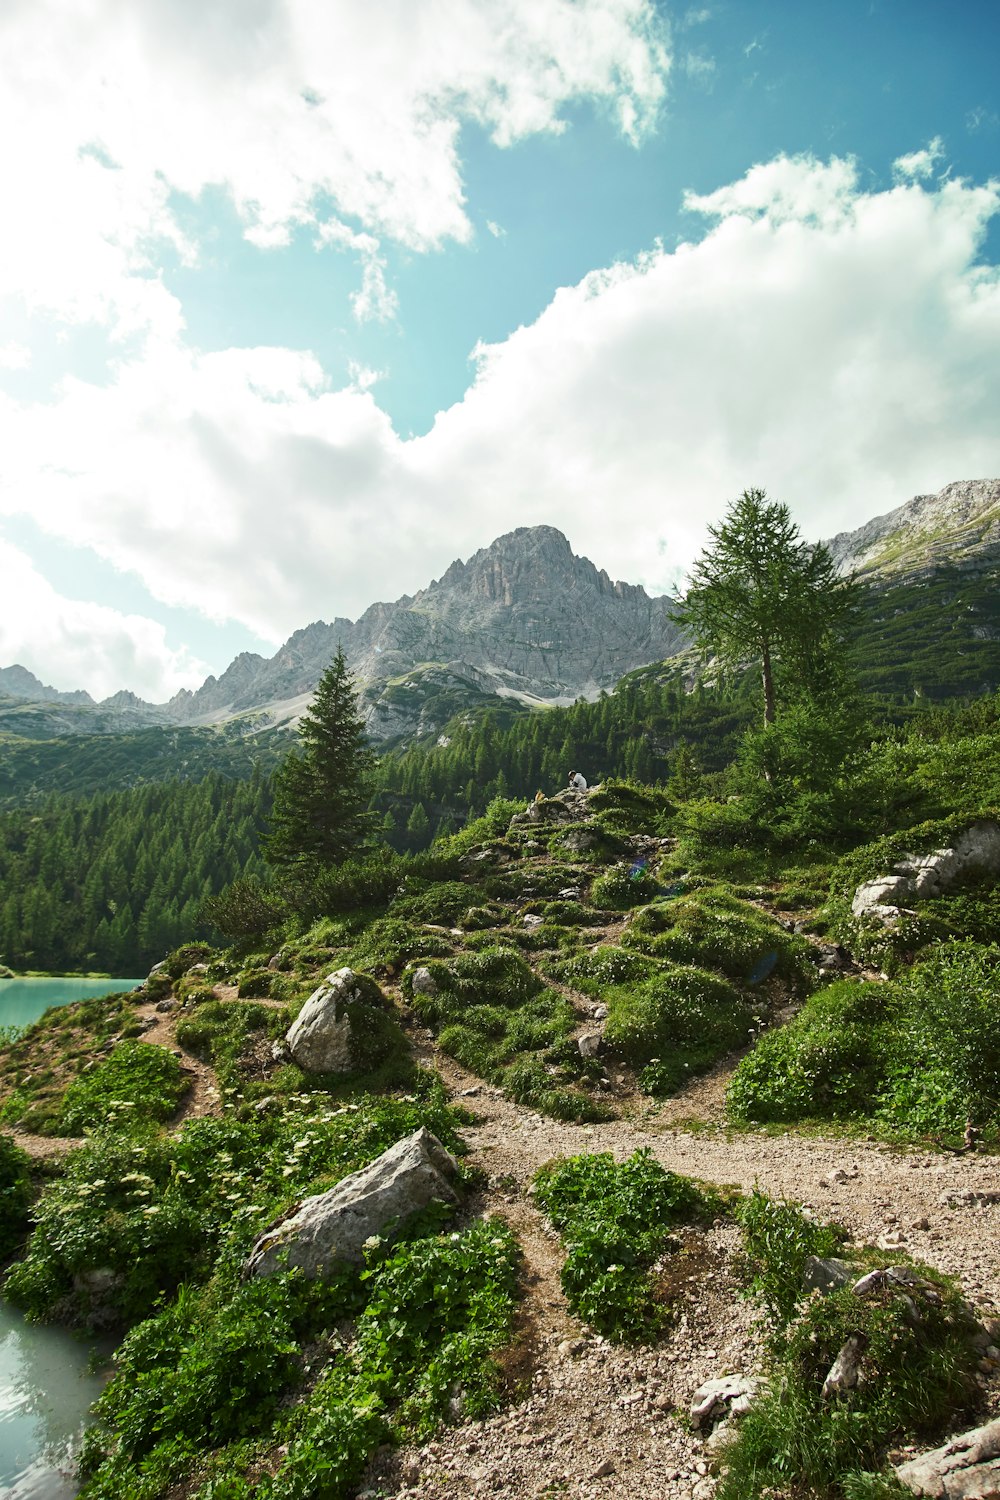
x=320, y=815
x=760, y=593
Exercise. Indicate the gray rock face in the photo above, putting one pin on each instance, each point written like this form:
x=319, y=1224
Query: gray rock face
x=966, y=1468
x=523, y=616
x=920, y=877
x=321, y=1039
x=825, y=1275
x=958, y=527
x=729, y=1396
x=334, y=1226
x=845, y=1372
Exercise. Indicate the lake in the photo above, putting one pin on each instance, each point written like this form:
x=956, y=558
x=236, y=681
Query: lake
x=45, y=1387
x=45, y=1392
x=24, y=1000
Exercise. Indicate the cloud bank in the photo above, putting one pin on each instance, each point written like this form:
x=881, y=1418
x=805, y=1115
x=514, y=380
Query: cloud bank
x=837, y=346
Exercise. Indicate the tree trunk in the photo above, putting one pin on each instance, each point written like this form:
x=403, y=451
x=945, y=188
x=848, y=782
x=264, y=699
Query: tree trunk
x=768, y=681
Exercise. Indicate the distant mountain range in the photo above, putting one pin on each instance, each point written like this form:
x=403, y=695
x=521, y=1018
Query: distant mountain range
x=523, y=618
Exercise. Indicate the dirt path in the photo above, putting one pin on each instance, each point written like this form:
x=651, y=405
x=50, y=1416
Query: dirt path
x=602, y=1421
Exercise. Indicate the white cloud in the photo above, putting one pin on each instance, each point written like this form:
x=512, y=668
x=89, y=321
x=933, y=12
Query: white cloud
x=836, y=346
x=699, y=67
x=918, y=164
x=14, y=356
x=282, y=103
x=84, y=645
x=981, y=118
x=496, y=230
x=375, y=299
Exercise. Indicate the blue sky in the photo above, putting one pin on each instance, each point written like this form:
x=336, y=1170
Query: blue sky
x=301, y=303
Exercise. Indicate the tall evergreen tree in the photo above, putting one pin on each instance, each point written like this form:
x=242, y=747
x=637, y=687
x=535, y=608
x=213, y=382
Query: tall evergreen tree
x=322, y=789
x=759, y=592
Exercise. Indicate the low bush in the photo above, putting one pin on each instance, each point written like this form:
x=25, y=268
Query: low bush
x=494, y=1017
x=493, y=976
x=135, y=1083
x=714, y=930
x=917, y=1372
x=624, y=886
x=390, y=942
x=675, y=1024
x=916, y=1056
x=630, y=807
x=132, y=1218
x=217, y=1368
x=827, y=1063
x=615, y=1221
x=778, y=1239
x=440, y=902
x=15, y=1195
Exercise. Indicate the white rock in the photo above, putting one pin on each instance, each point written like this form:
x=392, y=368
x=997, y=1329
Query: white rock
x=966, y=1468
x=334, y=1226
x=319, y=1039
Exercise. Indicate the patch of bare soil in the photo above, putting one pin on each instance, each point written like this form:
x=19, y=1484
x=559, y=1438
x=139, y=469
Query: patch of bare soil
x=594, y=1419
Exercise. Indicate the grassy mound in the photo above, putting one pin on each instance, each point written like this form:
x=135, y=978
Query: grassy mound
x=917, y=1056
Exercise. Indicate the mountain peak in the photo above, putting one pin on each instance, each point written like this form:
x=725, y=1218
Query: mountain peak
x=957, y=527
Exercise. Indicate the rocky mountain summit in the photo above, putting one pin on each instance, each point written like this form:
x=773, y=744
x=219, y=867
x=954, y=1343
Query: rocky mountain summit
x=523, y=617
x=959, y=527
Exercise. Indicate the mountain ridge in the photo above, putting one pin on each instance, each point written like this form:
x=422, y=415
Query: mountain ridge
x=524, y=618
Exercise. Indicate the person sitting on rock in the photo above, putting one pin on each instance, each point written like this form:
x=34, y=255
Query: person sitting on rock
x=577, y=781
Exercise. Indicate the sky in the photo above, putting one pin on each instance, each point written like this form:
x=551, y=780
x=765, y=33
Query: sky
x=300, y=300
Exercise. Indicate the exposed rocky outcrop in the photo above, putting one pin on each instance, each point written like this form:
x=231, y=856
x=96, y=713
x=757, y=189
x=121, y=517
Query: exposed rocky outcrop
x=332, y=1032
x=524, y=616
x=966, y=1468
x=335, y=1226
x=919, y=877
x=959, y=527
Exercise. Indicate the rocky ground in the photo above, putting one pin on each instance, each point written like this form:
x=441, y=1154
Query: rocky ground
x=602, y=1420
x=593, y=1419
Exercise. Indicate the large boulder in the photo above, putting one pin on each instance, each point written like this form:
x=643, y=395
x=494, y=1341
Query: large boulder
x=966, y=1468
x=918, y=877
x=343, y=1027
x=334, y=1226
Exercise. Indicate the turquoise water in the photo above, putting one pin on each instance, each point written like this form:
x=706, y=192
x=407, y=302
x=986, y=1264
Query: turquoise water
x=45, y=1387
x=23, y=1000
x=45, y=1391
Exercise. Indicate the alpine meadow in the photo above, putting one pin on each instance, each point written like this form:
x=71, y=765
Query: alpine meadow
x=500, y=751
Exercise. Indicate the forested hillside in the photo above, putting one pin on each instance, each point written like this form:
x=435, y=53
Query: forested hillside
x=111, y=882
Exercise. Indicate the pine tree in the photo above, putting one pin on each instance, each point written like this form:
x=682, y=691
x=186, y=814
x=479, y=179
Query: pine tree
x=759, y=593
x=321, y=791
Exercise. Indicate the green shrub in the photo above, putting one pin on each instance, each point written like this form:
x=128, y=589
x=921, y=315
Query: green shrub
x=15, y=1195
x=219, y=1366
x=917, y=1376
x=715, y=930
x=943, y=1056
x=390, y=942
x=440, y=902
x=631, y=807
x=137, y=1081
x=256, y=984
x=151, y=1212
x=778, y=1239
x=217, y=1031
x=675, y=1024
x=495, y=975
x=917, y=1056
x=624, y=886
x=244, y=910
x=184, y=958
x=615, y=1219
x=827, y=1063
